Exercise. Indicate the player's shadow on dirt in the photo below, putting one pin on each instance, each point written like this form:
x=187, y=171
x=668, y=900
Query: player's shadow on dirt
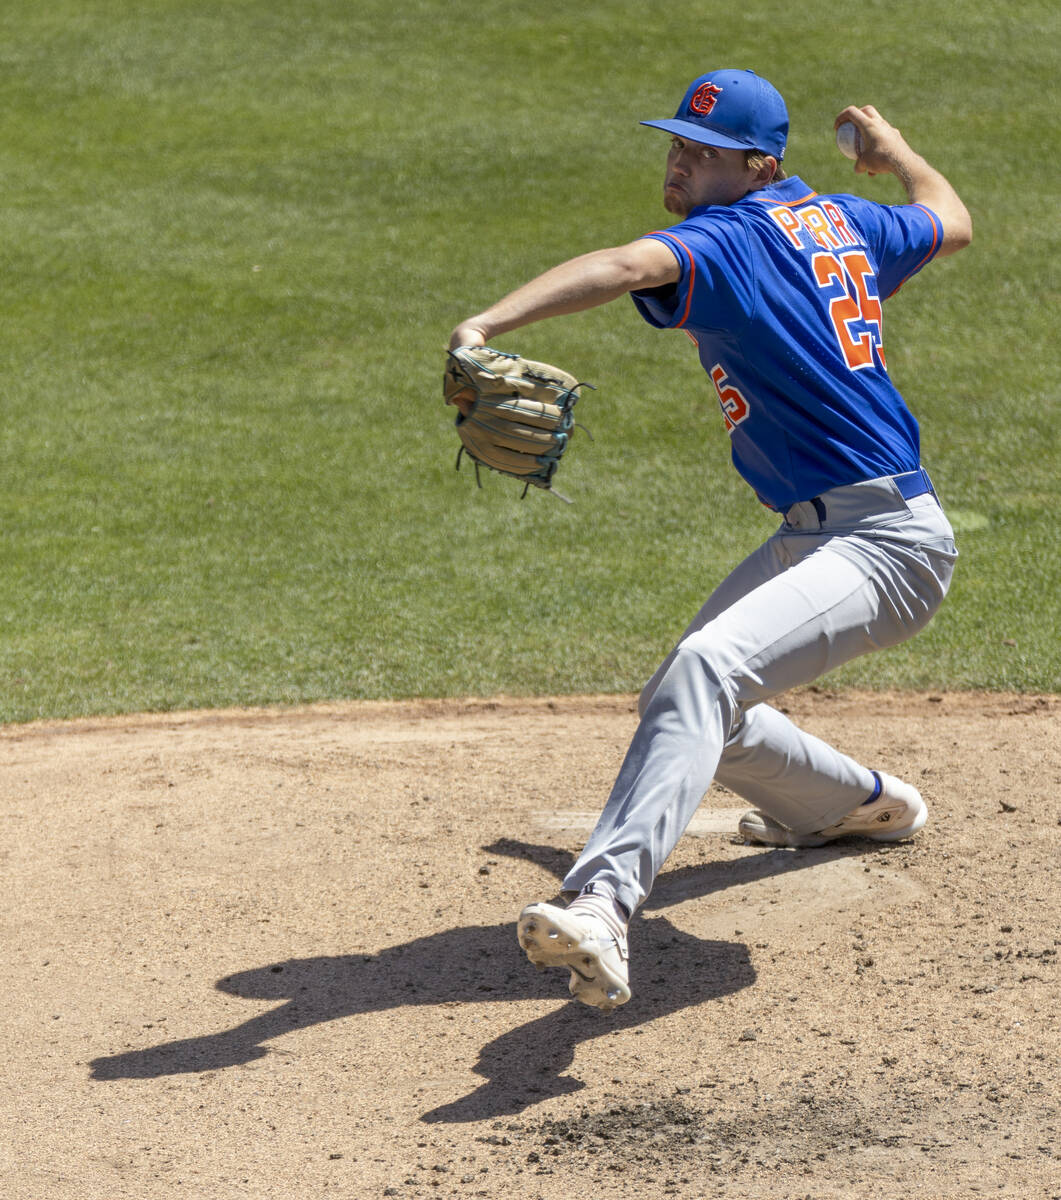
x=469, y=964
x=673, y=970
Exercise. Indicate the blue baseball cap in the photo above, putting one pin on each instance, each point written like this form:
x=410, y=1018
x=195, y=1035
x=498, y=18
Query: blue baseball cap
x=737, y=110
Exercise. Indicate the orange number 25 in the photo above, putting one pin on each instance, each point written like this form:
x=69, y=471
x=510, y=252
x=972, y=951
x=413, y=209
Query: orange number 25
x=856, y=313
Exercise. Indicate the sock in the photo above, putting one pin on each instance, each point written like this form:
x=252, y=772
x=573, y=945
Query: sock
x=597, y=894
x=876, y=789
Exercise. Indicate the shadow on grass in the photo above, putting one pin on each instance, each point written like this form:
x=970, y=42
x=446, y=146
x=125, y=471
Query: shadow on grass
x=473, y=963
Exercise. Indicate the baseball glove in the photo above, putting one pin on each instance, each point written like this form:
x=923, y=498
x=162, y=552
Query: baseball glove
x=515, y=414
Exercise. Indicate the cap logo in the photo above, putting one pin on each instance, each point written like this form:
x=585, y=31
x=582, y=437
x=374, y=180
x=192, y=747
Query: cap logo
x=704, y=99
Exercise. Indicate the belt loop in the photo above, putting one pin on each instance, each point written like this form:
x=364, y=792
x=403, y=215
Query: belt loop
x=819, y=508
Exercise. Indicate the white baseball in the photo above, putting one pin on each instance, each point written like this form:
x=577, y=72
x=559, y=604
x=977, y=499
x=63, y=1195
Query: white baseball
x=848, y=141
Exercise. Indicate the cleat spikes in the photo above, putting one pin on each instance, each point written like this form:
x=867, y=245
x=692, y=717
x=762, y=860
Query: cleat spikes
x=590, y=943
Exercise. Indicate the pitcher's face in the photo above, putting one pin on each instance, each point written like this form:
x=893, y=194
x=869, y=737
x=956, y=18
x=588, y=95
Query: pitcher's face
x=699, y=174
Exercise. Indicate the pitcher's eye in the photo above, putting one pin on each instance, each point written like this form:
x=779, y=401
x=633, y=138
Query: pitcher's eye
x=677, y=145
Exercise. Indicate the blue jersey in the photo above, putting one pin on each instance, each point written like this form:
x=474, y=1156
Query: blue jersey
x=782, y=294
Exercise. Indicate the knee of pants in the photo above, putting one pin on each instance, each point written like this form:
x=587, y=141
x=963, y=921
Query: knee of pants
x=694, y=683
x=697, y=662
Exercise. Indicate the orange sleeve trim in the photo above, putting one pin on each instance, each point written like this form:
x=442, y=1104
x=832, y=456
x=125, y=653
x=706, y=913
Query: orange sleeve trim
x=937, y=236
x=666, y=234
x=691, y=280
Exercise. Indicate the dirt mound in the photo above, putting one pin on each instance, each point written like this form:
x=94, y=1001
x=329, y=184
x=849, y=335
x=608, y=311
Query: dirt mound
x=271, y=954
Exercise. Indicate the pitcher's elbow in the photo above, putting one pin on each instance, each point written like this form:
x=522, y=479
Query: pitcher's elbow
x=957, y=233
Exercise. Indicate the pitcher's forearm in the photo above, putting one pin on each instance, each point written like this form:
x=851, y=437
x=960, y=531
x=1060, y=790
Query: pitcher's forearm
x=581, y=283
x=578, y=284
x=925, y=185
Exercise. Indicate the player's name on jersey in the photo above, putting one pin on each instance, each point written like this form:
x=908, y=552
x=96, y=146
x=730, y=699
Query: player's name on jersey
x=821, y=224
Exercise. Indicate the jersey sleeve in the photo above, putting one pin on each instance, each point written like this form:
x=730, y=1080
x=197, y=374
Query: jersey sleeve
x=659, y=306
x=903, y=238
x=716, y=290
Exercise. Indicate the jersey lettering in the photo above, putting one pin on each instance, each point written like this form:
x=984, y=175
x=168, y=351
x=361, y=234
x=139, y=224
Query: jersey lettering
x=855, y=310
x=839, y=223
x=789, y=223
x=734, y=407
x=814, y=225
x=820, y=228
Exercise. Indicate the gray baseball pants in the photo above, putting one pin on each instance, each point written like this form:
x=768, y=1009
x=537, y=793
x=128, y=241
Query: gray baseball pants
x=856, y=569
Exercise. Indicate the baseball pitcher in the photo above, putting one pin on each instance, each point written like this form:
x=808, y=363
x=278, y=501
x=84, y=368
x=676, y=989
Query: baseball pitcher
x=781, y=289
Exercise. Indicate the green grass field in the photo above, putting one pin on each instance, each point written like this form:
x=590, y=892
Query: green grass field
x=236, y=236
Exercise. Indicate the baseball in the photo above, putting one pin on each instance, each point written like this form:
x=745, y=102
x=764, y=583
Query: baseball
x=848, y=142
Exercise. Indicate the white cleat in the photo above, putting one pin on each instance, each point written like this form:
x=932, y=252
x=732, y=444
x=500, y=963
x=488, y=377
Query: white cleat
x=897, y=813
x=586, y=940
